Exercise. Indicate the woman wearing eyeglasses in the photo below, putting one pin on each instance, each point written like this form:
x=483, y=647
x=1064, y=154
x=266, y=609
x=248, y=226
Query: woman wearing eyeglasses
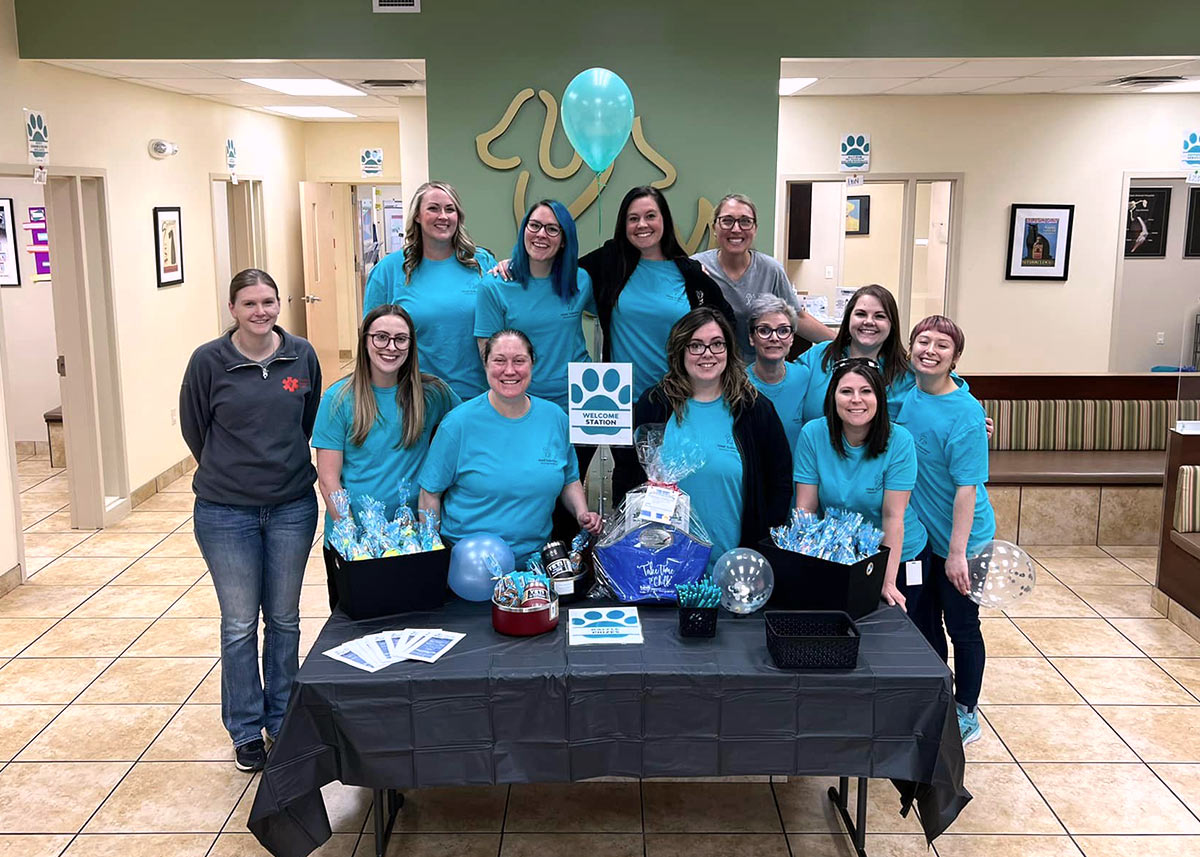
x=743, y=488
x=373, y=427
x=772, y=330
x=545, y=297
x=742, y=272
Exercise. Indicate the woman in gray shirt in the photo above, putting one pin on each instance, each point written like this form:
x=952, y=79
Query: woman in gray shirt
x=742, y=272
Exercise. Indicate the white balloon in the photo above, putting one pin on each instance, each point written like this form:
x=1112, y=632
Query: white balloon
x=1001, y=575
x=745, y=578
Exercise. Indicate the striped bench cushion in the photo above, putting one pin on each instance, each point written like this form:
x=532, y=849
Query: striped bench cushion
x=1187, y=500
x=1085, y=424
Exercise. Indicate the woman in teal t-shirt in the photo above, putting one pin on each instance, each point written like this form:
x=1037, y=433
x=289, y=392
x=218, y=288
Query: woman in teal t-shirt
x=772, y=331
x=436, y=279
x=871, y=329
x=950, y=498
x=373, y=427
x=499, y=462
x=853, y=458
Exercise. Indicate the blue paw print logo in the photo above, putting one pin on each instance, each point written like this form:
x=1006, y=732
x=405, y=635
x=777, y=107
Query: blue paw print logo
x=35, y=127
x=372, y=161
x=1191, y=149
x=614, y=622
x=600, y=397
x=856, y=146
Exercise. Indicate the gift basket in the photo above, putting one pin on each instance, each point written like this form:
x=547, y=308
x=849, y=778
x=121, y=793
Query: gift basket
x=524, y=604
x=386, y=566
x=654, y=541
x=832, y=563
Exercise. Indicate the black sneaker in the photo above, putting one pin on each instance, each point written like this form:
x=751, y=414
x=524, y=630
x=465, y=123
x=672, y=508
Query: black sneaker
x=251, y=756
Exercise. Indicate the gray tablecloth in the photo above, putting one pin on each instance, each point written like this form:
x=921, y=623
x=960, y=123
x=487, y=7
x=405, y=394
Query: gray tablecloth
x=499, y=709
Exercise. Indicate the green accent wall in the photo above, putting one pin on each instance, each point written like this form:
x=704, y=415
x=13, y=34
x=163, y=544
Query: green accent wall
x=704, y=75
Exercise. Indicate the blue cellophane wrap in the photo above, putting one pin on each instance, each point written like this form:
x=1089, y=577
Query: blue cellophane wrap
x=642, y=561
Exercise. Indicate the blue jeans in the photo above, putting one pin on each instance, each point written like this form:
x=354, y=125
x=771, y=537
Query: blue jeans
x=256, y=555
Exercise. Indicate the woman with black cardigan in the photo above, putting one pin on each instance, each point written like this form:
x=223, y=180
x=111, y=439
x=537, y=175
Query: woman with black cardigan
x=743, y=487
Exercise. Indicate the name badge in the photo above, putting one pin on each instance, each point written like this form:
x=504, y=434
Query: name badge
x=912, y=573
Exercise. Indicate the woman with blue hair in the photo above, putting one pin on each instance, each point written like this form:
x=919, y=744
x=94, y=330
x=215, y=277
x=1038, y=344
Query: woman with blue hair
x=545, y=298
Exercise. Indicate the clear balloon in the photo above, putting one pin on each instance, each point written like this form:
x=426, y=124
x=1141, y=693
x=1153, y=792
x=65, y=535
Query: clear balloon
x=1001, y=575
x=597, y=114
x=745, y=578
x=469, y=577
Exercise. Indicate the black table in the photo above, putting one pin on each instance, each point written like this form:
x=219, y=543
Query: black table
x=499, y=709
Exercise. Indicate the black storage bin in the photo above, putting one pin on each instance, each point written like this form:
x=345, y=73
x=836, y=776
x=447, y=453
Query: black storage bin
x=812, y=640
x=697, y=621
x=807, y=583
x=368, y=588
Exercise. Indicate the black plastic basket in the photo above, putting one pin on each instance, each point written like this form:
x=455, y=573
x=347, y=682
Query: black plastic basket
x=812, y=639
x=697, y=621
x=368, y=588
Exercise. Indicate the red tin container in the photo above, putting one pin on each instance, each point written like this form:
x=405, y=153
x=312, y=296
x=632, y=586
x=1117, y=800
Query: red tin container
x=526, y=621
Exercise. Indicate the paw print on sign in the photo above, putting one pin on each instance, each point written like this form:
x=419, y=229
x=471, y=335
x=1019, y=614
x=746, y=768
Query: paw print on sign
x=856, y=145
x=36, y=128
x=1191, y=149
x=594, y=395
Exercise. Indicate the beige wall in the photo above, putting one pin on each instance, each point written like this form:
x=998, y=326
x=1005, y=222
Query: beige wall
x=1023, y=149
x=29, y=346
x=875, y=257
x=100, y=123
x=332, y=150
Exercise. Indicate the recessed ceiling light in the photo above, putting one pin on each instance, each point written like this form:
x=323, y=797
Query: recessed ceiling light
x=303, y=85
x=1177, y=86
x=312, y=112
x=792, y=85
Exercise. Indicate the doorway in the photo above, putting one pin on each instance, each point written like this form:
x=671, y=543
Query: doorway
x=86, y=356
x=239, y=234
x=895, y=230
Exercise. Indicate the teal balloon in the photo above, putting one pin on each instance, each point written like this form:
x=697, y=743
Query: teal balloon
x=597, y=114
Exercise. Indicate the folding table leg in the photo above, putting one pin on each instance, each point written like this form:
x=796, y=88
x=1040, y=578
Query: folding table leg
x=858, y=828
x=387, y=803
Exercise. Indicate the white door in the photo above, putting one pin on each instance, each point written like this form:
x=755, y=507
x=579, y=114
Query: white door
x=319, y=239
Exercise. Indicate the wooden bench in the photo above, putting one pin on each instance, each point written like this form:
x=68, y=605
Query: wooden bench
x=55, y=437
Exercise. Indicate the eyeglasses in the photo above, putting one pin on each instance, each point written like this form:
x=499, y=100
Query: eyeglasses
x=383, y=340
x=855, y=362
x=550, y=229
x=729, y=221
x=764, y=331
x=696, y=347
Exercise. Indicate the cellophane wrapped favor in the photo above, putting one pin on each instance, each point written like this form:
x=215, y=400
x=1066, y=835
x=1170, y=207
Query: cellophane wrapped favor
x=654, y=541
x=371, y=535
x=841, y=536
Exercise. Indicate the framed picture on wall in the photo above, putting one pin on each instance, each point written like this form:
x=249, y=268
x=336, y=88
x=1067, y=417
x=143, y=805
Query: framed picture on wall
x=1039, y=242
x=858, y=215
x=168, y=246
x=1146, y=222
x=10, y=256
x=1191, y=238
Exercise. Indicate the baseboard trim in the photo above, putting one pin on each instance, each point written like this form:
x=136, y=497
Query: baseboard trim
x=10, y=580
x=1176, y=613
x=144, y=492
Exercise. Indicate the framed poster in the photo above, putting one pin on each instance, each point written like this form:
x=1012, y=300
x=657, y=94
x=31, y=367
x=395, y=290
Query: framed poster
x=858, y=215
x=168, y=246
x=1146, y=222
x=10, y=257
x=1191, y=238
x=1039, y=242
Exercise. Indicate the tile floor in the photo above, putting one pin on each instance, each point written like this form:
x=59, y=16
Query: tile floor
x=111, y=742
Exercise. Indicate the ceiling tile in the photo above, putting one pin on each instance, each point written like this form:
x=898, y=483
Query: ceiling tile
x=1106, y=68
x=891, y=68
x=205, y=85
x=996, y=68
x=160, y=69
x=1185, y=69
x=367, y=69
x=944, y=85
x=1037, y=84
x=74, y=66
x=251, y=68
x=853, y=86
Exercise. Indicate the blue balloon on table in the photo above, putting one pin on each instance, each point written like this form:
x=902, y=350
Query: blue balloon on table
x=470, y=578
x=597, y=114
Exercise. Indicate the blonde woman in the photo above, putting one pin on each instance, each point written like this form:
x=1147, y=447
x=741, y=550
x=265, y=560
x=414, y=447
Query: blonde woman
x=436, y=280
x=373, y=427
